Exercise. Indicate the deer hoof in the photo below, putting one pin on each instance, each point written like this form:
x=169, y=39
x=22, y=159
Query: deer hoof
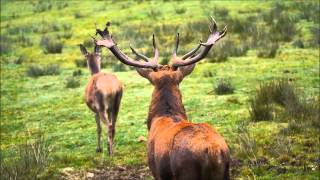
x=98, y=150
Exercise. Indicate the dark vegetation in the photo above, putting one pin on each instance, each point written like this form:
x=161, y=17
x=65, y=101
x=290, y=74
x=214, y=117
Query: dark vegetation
x=38, y=70
x=224, y=87
x=280, y=100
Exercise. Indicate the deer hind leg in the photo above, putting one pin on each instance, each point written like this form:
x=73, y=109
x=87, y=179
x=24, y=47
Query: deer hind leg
x=104, y=118
x=114, y=114
x=98, y=149
x=111, y=127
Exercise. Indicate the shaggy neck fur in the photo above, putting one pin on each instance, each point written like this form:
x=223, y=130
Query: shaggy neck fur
x=166, y=101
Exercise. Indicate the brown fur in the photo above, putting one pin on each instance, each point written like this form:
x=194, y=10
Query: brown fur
x=177, y=148
x=103, y=95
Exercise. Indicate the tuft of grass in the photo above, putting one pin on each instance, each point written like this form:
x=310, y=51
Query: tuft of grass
x=31, y=160
x=224, y=87
x=268, y=50
x=20, y=60
x=80, y=63
x=72, y=82
x=51, y=45
x=37, y=70
x=180, y=10
x=280, y=99
x=77, y=72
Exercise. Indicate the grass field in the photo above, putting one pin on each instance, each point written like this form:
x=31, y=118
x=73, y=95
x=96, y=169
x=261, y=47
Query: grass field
x=46, y=127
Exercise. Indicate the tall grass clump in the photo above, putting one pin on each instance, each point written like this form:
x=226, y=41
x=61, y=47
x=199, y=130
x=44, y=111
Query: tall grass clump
x=38, y=70
x=29, y=162
x=224, y=87
x=268, y=50
x=279, y=99
x=42, y=6
x=72, y=82
x=51, y=45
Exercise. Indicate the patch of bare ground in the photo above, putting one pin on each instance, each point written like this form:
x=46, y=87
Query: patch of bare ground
x=108, y=173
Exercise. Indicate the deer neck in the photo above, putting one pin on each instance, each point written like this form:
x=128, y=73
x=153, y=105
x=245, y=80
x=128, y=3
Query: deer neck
x=93, y=67
x=166, y=102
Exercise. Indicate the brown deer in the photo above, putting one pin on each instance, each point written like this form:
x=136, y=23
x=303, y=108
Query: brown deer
x=177, y=149
x=103, y=96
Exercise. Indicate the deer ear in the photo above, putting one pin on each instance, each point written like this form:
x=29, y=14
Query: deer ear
x=83, y=50
x=144, y=73
x=186, y=70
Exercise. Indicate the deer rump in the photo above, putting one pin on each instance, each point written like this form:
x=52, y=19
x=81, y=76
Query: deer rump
x=102, y=96
x=186, y=151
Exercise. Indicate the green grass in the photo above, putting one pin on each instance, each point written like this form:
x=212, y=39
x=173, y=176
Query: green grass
x=45, y=105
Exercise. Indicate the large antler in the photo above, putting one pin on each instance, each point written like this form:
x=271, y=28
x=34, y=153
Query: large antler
x=191, y=58
x=108, y=42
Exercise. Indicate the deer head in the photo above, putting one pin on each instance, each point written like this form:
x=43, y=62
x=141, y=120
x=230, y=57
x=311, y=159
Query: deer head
x=156, y=73
x=93, y=59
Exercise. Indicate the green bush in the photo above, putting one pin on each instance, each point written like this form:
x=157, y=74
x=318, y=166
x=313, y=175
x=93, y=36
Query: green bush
x=72, y=82
x=80, y=63
x=298, y=43
x=37, y=70
x=224, y=87
x=180, y=10
x=51, y=45
x=77, y=72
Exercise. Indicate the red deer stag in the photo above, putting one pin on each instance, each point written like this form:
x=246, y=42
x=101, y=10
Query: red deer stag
x=103, y=96
x=177, y=148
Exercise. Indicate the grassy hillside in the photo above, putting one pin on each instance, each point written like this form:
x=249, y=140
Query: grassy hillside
x=271, y=52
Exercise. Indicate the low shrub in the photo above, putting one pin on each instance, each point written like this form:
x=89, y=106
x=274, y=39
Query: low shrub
x=78, y=15
x=80, y=63
x=37, y=70
x=72, y=82
x=224, y=87
x=298, y=43
x=51, y=45
x=180, y=10
x=77, y=72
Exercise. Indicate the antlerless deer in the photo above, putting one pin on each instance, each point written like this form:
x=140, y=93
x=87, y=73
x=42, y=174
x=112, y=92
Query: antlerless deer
x=103, y=96
x=177, y=148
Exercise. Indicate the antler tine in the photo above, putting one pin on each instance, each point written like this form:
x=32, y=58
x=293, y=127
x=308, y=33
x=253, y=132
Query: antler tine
x=192, y=52
x=214, y=36
x=141, y=56
x=175, y=50
x=156, y=51
x=214, y=24
x=108, y=42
